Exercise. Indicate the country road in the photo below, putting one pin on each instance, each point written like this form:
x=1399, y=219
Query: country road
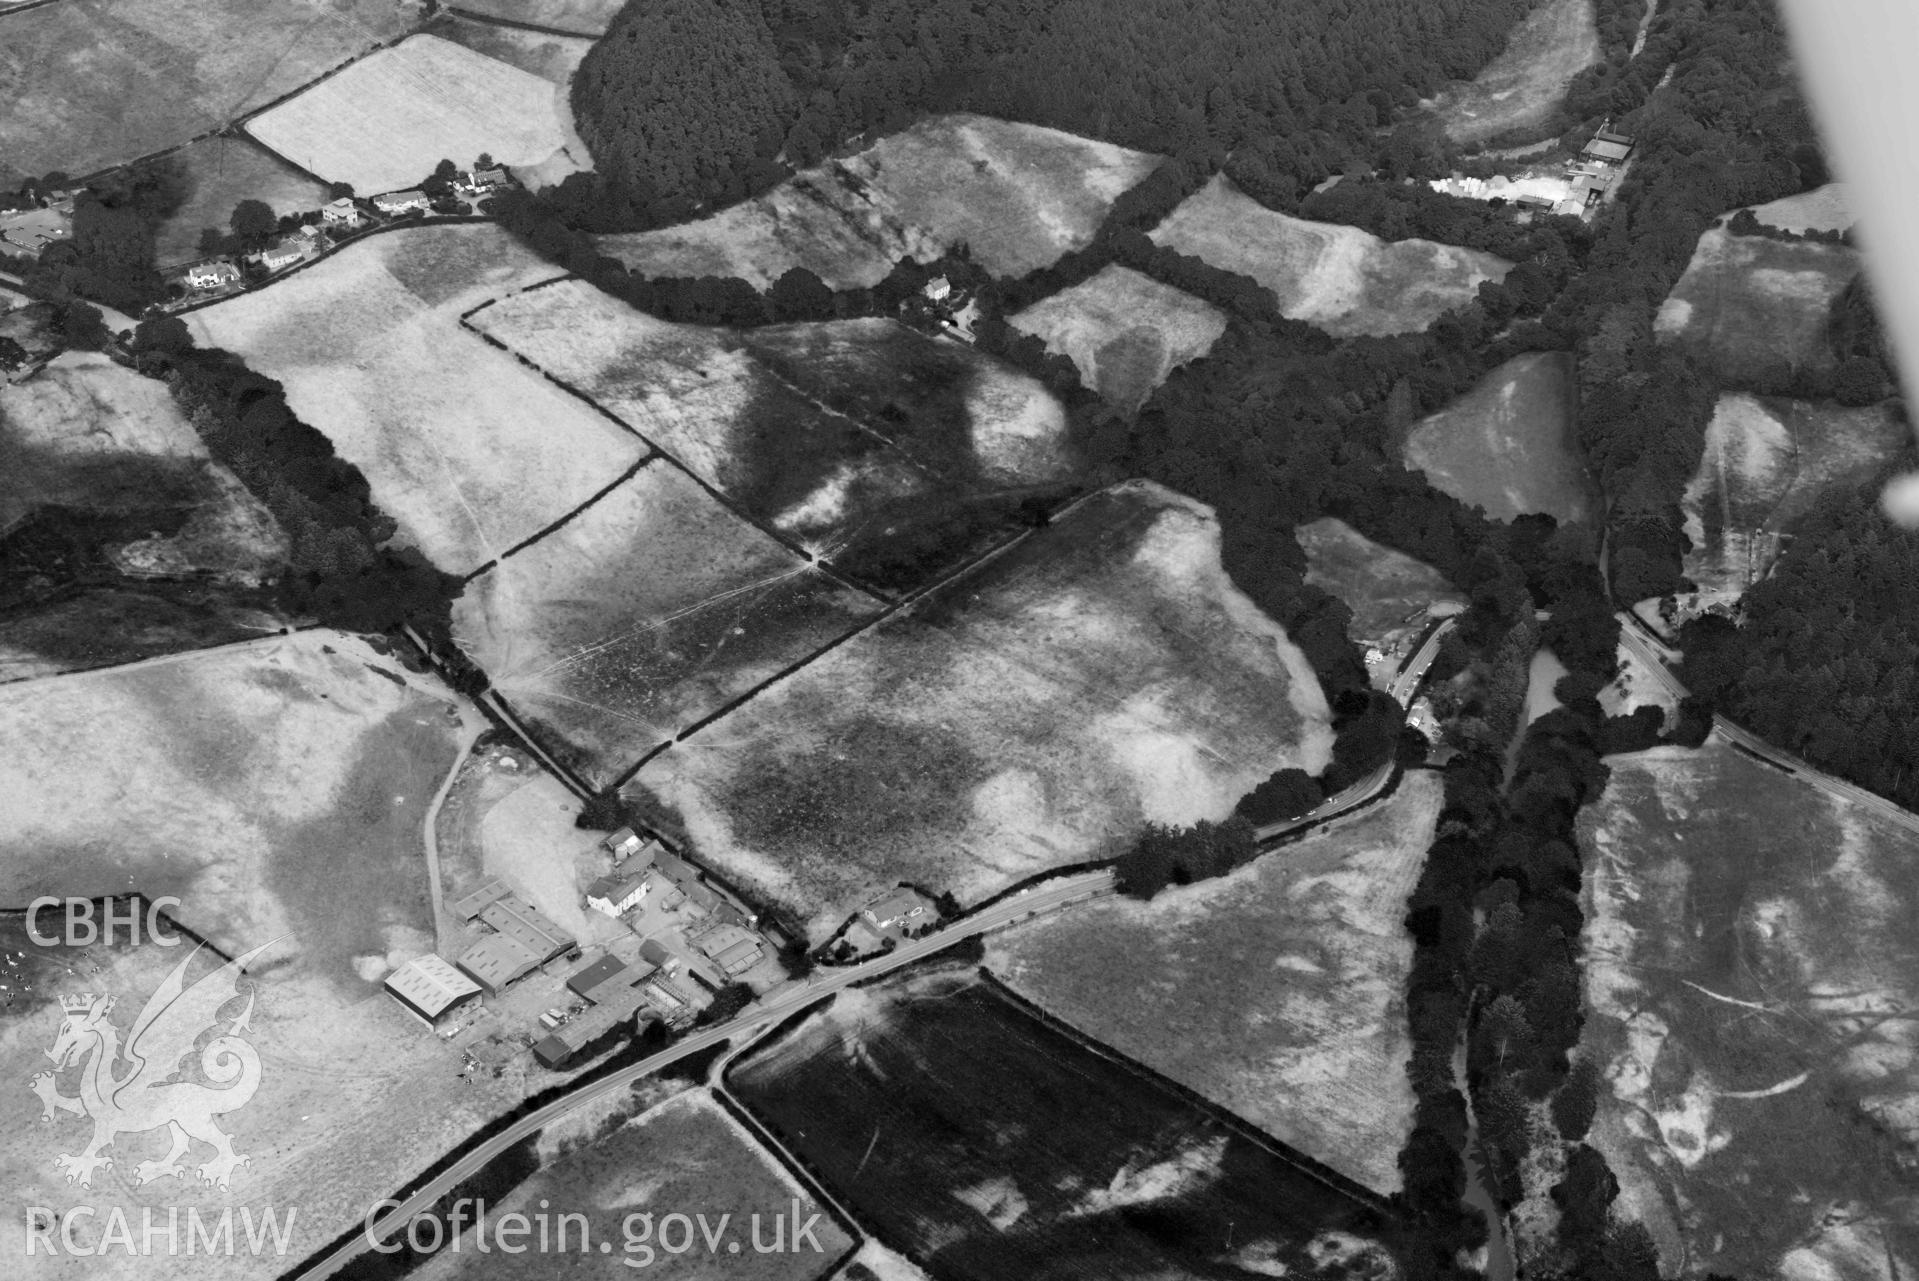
x=1404, y=685
x=821, y=983
x=1651, y=652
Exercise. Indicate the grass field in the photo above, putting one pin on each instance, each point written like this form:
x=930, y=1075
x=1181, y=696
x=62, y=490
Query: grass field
x=1523, y=85
x=470, y=451
x=1277, y=992
x=1125, y=331
x=1766, y=462
x=1750, y=306
x=1017, y=195
x=91, y=86
x=686, y=1156
x=1827, y=208
x=312, y=830
x=895, y=455
x=1392, y=596
x=220, y=173
x=386, y=121
x=551, y=58
x=986, y=1144
x=103, y=626
x=1751, y=979
x=582, y=17
x=1342, y=279
x=648, y=611
x=1030, y=715
x=1508, y=445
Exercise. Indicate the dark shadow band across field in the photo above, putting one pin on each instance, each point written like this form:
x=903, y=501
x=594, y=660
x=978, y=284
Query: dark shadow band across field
x=986, y=1142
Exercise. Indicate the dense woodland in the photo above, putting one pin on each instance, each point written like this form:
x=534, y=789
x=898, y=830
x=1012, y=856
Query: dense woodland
x=689, y=103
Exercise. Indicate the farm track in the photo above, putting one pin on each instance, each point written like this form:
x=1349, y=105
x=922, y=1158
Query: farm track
x=511, y=23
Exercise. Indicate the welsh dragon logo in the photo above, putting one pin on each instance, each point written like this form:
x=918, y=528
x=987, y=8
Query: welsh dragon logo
x=138, y=1087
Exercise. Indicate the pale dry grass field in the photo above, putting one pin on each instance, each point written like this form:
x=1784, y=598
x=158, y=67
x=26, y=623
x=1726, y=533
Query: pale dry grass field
x=88, y=86
x=1125, y=331
x=1277, y=991
x=1750, y=977
x=387, y=120
x=1344, y=280
x=469, y=450
x=646, y=612
x=1017, y=195
x=1033, y=714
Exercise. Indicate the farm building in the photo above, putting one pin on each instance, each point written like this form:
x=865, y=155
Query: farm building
x=32, y=230
x=468, y=906
x=1608, y=147
x=528, y=926
x=655, y=953
x=623, y=844
x=575, y=1035
x=738, y=956
x=604, y=977
x=399, y=202
x=431, y=989
x=496, y=961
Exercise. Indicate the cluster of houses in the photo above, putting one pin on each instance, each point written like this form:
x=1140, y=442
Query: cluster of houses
x=332, y=223
x=692, y=936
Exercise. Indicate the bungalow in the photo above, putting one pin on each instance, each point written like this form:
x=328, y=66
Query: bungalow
x=399, y=202
x=217, y=274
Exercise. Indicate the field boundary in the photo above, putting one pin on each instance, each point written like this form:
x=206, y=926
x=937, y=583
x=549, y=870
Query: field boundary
x=537, y=535
x=788, y=1160
x=491, y=21
x=1307, y=1165
x=178, y=655
x=820, y=561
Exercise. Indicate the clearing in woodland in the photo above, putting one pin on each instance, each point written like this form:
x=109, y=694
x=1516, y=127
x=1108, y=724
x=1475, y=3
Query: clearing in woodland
x=92, y=86
x=984, y=1142
x=1392, y=595
x=1751, y=976
x=1312, y=937
x=1034, y=713
x=1526, y=82
x=1124, y=331
x=1766, y=462
x=1753, y=307
x=1346, y=281
x=468, y=449
x=387, y=120
x=645, y=613
x=1017, y=195
x=1509, y=445
x=895, y=456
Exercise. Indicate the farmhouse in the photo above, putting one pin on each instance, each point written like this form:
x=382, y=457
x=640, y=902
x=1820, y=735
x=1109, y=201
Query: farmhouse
x=481, y=181
x=399, y=202
x=618, y=892
x=431, y=989
x=215, y=274
x=898, y=910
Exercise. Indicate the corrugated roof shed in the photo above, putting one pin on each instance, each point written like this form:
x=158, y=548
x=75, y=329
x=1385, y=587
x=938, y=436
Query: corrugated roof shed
x=497, y=960
x=528, y=925
x=431, y=987
x=468, y=906
x=587, y=977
